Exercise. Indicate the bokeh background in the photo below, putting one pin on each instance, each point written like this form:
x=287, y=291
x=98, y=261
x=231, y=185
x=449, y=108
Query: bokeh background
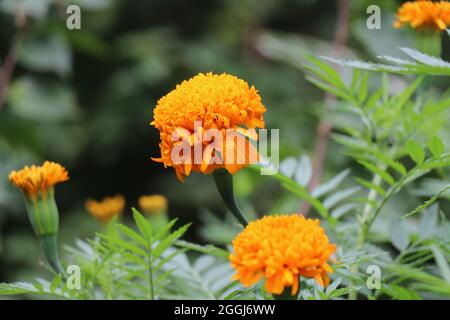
x=85, y=98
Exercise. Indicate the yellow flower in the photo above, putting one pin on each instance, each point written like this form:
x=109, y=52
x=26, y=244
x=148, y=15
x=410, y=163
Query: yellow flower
x=38, y=179
x=282, y=248
x=153, y=204
x=107, y=208
x=424, y=14
x=217, y=102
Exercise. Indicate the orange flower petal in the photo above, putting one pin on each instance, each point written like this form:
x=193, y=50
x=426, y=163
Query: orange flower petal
x=282, y=248
x=218, y=102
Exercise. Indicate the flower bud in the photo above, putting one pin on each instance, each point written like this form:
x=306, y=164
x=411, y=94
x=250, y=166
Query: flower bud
x=107, y=208
x=37, y=184
x=155, y=208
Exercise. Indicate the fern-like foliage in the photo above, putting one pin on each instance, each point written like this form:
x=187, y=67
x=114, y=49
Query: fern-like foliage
x=121, y=263
x=390, y=128
x=394, y=143
x=416, y=62
x=207, y=277
x=55, y=289
x=138, y=257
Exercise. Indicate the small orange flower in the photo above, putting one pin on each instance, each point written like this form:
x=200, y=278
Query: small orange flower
x=217, y=102
x=107, y=208
x=34, y=179
x=153, y=204
x=282, y=248
x=424, y=14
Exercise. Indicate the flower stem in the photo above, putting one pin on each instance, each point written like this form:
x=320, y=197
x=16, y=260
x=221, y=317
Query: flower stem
x=429, y=41
x=224, y=183
x=364, y=226
x=49, y=244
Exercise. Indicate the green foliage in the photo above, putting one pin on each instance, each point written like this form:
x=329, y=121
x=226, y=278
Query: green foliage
x=421, y=64
x=393, y=128
x=85, y=98
x=120, y=263
x=205, y=278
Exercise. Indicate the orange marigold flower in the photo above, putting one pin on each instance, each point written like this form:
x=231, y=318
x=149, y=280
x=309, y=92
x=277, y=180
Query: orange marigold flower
x=217, y=102
x=107, y=208
x=34, y=179
x=153, y=204
x=424, y=14
x=282, y=248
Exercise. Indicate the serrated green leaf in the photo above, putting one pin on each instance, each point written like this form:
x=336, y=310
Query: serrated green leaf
x=370, y=185
x=423, y=64
x=17, y=288
x=166, y=229
x=38, y=286
x=436, y=146
x=55, y=283
x=330, y=73
x=341, y=292
x=400, y=293
x=355, y=80
x=328, y=88
x=164, y=260
x=130, y=233
x=405, y=96
x=208, y=249
x=415, y=151
x=373, y=168
x=363, y=88
x=427, y=203
x=143, y=225
x=124, y=245
x=425, y=58
x=169, y=240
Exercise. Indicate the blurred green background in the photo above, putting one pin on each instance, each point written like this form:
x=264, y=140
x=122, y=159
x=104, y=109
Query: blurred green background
x=85, y=98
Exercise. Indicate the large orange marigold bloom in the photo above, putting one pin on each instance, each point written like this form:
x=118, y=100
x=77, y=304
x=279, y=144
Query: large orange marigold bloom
x=424, y=14
x=107, y=208
x=34, y=179
x=282, y=248
x=215, y=102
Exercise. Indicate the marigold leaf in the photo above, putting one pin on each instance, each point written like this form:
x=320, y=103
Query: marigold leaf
x=415, y=151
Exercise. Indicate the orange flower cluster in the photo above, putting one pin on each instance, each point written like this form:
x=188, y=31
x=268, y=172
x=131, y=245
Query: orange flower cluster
x=282, y=248
x=107, y=208
x=34, y=179
x=424, y=14
x=218, y=102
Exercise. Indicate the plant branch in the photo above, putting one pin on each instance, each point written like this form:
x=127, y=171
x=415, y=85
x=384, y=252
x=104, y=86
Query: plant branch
x=325, y=127
x=9, y=63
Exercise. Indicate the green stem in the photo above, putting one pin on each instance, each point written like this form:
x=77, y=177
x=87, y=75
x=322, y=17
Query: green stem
x=150, y=275
x=366, y=215
x=364, y=227
x=49, y=244
x=429, y=41
x=224, y=183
